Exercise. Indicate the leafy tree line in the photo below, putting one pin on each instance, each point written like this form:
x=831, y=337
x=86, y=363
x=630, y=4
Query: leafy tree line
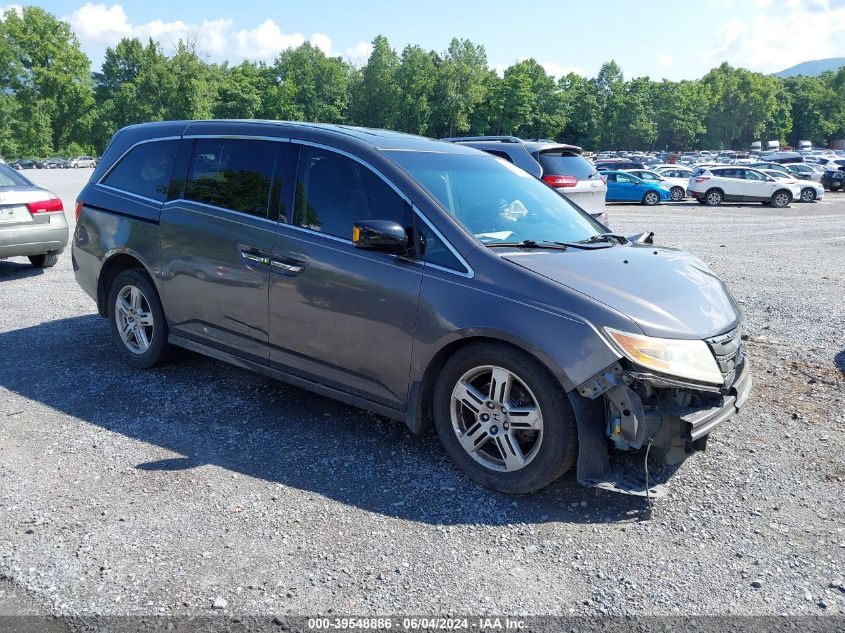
x=51, y=103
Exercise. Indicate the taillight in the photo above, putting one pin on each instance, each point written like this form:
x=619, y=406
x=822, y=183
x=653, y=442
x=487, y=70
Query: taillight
x=53, y=205
x=560, y=181
x=78, y=209
x=702, y=179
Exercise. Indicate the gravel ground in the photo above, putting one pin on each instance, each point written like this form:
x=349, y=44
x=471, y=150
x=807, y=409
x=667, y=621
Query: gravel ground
x=199, y=488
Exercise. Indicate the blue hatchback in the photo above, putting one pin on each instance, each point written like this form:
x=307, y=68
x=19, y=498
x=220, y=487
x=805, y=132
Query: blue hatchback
x=624, y=187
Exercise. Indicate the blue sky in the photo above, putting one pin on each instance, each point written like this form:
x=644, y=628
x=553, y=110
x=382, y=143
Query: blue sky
x=675, y=39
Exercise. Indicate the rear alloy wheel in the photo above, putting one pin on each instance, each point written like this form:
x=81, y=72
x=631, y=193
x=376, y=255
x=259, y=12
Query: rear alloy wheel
x=713, y=198
x=138, y=326
x=781, y=199
x=47, y=260
x=677, y=194
x=808, y=194
x=651, y=198
x=503, y=419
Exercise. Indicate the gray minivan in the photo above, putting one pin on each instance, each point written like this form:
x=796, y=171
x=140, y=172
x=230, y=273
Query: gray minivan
x=425, y=281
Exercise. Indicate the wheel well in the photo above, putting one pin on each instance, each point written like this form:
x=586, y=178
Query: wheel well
x=111, y=269
x=786, y=191
x=421, y=418
x=714, y=189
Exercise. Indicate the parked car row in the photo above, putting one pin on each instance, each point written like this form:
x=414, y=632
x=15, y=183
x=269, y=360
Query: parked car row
x=55, y=163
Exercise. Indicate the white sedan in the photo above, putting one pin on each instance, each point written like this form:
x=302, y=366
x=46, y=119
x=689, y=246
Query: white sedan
x=810, y=191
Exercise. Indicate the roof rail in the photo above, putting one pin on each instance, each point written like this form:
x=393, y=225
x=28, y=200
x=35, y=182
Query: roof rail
x=503, y=139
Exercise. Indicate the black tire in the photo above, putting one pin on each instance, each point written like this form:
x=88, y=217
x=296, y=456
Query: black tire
x=47, y=260
x=677, y=194
x=558, y=445
x=781, y=199
x=808, y=194
x=158, y=350
x=713, y=198
x=651, y=199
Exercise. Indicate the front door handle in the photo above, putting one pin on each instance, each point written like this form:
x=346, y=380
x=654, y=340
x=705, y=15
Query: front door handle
x=294, y=269
x=255, y=257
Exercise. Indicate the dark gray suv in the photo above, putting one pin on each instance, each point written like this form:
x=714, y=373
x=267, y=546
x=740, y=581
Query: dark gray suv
x=426, y=281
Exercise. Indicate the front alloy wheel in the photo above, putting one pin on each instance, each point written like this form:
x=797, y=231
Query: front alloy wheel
x=496, y=418
x=677, y=194
x=503, y=418
x=808, y=194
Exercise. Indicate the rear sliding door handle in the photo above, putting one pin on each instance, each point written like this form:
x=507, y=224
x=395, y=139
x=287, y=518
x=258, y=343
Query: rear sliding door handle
x=285, y=267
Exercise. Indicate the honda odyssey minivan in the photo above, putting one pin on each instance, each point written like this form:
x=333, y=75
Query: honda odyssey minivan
x=425, y=281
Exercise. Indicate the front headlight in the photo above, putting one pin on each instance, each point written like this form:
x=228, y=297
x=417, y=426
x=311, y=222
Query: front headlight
x=677, y=357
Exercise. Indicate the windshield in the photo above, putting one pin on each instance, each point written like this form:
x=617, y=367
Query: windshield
x=10, y=178
x=496, y=201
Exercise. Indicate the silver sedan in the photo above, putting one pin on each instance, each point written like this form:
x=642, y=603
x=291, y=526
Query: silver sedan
x=32, y=220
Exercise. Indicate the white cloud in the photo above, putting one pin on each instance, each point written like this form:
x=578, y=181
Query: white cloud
x=359, y=54
x=557, y=70
x=265, y=41
x=99, y=25
x=10, y=7
x=782, y=34
x=107, y=25
x=664, y=60
x=323, y=42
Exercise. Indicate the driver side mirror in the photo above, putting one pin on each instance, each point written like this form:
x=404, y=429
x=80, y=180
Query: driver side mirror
x=379, y=235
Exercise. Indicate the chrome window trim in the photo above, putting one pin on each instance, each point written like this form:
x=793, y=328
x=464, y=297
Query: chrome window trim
x=129, y=149
x=224, y=209
x=152, y=201
x=241, y=137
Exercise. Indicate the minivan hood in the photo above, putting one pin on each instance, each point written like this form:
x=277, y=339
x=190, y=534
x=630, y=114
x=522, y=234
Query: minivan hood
x=666, y=292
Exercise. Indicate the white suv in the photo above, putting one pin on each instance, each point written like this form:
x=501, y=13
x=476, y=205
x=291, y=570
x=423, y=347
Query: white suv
x=714, y=185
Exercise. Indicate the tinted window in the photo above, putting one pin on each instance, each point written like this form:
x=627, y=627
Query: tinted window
x=750, y=174
x=333, y=192
x=624, y=178
x=145, y=170
x=10, y=178
x=232, y=173
x=434, y=250
x=566, y=164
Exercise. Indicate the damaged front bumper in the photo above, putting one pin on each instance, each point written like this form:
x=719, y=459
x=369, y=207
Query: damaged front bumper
x=638, y=409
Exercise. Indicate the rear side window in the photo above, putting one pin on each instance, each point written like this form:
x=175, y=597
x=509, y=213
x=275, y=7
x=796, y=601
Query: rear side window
x=502, y=155
x=233, y=174
x=333, y=192
x=145, y=170
x=566, y=164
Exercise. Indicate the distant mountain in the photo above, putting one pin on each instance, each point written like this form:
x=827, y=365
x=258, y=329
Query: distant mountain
x=814, y=67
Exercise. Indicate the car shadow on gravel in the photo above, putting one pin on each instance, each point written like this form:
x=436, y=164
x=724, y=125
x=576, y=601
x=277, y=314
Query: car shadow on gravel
x=14, y=270
x=208, y=412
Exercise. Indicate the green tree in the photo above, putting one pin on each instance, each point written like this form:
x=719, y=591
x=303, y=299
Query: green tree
x=461, y=85
x=309, y=86
x=377, y=96
x=42, y=65
x=415, y=79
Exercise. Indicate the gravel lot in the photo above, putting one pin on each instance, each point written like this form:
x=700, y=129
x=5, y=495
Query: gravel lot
x=127, y=492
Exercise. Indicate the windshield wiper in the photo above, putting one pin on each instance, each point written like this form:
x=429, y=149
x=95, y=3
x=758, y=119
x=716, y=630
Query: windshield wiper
x=562, y=246
x=605, y=237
